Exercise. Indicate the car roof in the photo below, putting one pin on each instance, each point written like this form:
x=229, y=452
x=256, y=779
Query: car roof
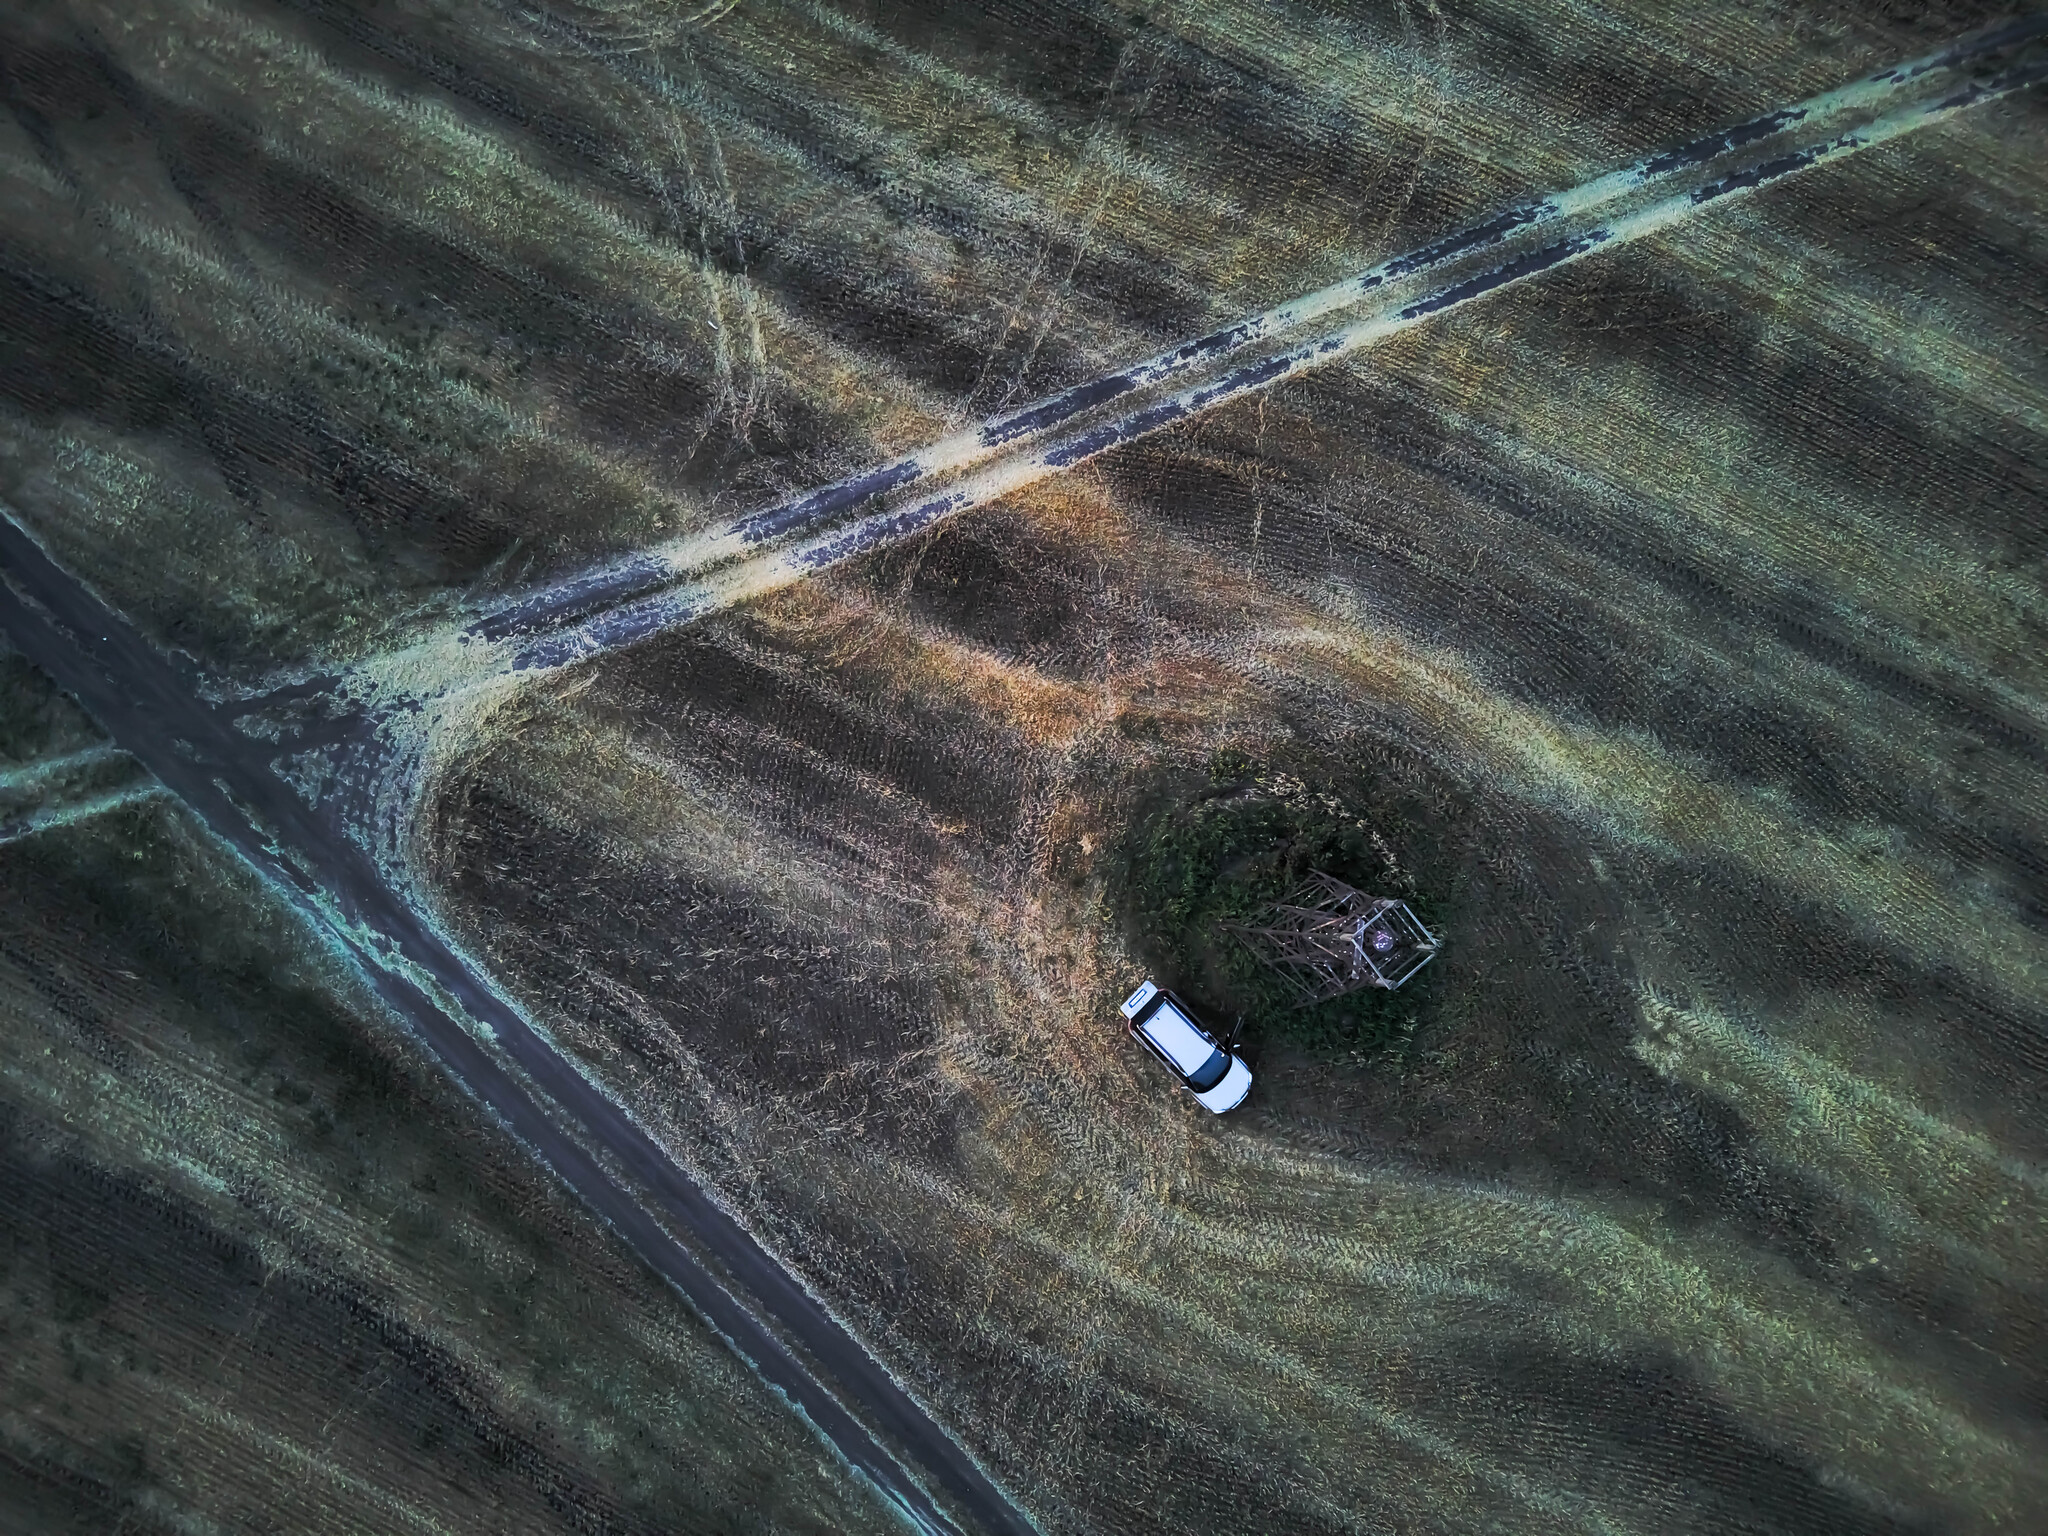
x=1175, y=1034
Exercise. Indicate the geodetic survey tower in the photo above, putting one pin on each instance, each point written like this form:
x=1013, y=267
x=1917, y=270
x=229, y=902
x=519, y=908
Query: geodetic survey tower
x=1328, y=939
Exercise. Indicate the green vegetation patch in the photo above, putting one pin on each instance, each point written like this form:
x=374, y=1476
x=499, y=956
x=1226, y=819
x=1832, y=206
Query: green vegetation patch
x=1203, y=854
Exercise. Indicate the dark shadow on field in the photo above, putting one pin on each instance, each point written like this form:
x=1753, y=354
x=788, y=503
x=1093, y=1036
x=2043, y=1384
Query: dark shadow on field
x=1435, y=487
x=1019, y=588
x=1518, y=1065
x=140, y=1280
x=760, y=997
x=853, y=298
x=821, y=754
x=1599, y=609
x=1522, y=1062
x=68, y=358
x=1643, y=1428
x=74, y=352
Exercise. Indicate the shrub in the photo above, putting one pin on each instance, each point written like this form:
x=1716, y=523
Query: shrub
x=1204, y=855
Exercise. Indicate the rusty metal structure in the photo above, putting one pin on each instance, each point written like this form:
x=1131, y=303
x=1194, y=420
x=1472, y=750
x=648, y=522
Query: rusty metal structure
x=1328, y=939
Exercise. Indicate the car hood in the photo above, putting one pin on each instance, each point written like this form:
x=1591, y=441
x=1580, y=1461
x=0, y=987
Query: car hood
x=1229, y=1093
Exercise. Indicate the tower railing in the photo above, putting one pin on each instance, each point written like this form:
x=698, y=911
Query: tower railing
x=1327, y=938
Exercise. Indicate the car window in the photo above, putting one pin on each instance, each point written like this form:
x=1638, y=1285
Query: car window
x=1211, y=1074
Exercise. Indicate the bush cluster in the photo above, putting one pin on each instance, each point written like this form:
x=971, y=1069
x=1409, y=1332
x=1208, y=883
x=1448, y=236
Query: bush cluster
x=1225, y=851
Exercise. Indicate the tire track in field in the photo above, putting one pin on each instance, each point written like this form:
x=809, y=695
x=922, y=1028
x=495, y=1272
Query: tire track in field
x=628, y=600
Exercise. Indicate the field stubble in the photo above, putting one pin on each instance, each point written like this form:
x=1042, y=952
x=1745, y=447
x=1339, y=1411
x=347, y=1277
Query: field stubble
x=1707, y=1194
x=1618, y=1195
x=1700, y=586
x=261, y=1268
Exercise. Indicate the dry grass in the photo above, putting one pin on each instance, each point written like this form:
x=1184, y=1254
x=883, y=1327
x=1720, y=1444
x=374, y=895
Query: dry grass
x=1700, y=588
x=1082, y=1247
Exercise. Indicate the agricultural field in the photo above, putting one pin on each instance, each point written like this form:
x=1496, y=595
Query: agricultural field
x=1667, y=627
x=261, y=1268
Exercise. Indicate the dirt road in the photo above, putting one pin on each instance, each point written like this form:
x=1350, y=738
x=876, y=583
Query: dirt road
x=628, y=601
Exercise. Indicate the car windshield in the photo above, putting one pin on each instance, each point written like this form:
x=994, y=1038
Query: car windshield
x=1186, y=1047
x=1211, y=1073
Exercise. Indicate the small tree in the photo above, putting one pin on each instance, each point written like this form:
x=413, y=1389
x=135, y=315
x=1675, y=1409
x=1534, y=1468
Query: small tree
x=1327, y=939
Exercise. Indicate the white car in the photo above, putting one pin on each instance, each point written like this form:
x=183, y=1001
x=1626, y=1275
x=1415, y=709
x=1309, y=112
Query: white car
x=1164, y=1025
